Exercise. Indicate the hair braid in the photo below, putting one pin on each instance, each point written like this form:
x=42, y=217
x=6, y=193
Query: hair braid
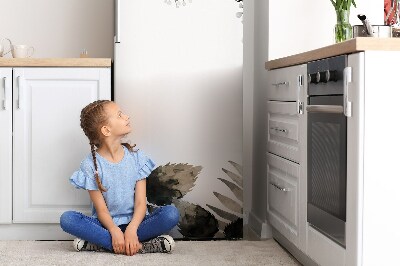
x=92, y=118
x=96, y=173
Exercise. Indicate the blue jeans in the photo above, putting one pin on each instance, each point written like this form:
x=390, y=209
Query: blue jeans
x=90, y=229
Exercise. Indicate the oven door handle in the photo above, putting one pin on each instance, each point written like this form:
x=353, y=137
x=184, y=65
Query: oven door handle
x=335, y=109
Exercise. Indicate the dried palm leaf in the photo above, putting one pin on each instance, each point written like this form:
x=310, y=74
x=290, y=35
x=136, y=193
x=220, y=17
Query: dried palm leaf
x=229, y=203
x=237, y=191
x=223, y=214
x=195, y=221
x=236, y=178
x=237, y=166
x=171, y=181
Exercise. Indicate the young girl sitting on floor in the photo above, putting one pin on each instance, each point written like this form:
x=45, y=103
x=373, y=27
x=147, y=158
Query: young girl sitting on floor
x=115, y=176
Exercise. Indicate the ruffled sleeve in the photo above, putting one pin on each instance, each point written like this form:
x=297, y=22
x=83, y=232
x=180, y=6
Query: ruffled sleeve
x=84, y=177
x=144, y=164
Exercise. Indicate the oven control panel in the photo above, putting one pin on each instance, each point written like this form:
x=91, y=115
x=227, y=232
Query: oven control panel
x=325, y=76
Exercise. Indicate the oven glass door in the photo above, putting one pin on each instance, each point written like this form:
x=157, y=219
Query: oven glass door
x=327, y=166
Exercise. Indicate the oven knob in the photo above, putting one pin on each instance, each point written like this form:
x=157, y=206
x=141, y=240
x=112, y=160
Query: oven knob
x=314, y=78
x=324, y=76
x=333, y=76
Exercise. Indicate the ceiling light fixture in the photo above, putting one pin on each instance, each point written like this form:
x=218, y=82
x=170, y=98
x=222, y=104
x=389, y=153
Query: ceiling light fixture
x=178, y=3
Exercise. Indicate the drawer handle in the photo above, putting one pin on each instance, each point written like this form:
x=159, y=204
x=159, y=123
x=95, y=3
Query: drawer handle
x=5, y=93
x=279, y=187
x=284, y=83
x=280, y=129
x=20, y=88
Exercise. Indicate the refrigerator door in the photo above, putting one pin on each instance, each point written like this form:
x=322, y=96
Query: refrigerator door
x=178, y=74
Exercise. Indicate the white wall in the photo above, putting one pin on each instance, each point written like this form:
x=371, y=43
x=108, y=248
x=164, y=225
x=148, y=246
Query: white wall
x=60, y=28
x=178, y=73
x=303, y=25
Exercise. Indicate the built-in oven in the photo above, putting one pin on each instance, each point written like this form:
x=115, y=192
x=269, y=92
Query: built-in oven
x=327, y=148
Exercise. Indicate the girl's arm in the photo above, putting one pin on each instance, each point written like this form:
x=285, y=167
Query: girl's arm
x=132, y=244
x=104, y=217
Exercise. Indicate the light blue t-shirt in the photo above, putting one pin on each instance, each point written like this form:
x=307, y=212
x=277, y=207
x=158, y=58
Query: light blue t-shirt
x=118, y=178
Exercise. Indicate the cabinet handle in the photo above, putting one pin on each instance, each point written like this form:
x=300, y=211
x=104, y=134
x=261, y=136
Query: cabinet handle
x=5, y=93
x=286, y=83
x=334, y=109
x=19, y=83
x=279, y=187
x=280, y=129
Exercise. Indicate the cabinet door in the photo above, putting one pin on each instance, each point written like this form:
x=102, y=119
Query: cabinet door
x=283, y=130
x=5, y=146
x=283, y=196
x=48, y=141
x=284, y=83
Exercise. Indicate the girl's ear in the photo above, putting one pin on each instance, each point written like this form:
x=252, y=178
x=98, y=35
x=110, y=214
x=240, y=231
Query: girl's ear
x=105, y=130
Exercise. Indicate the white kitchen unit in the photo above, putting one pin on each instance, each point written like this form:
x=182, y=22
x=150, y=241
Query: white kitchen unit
x=43, y=144
x=285, y=120
x=370, y=105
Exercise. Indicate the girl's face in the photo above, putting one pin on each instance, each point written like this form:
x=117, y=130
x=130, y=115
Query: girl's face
x=118, y=123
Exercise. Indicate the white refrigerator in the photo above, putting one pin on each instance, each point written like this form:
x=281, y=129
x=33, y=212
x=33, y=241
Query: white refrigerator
x=178, y=74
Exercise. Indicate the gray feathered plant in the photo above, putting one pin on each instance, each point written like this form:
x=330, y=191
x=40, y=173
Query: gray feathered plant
x=234, y=227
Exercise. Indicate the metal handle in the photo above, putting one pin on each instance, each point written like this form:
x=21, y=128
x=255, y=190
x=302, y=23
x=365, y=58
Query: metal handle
x=346, y=80
x=20, y=87
x=286, y=83
x=5, y=93
x=279, y=129
x=335, y=109
x=117, y=21
x=279, y=187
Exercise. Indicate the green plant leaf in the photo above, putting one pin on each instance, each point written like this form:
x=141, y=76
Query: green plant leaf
x=236, y=190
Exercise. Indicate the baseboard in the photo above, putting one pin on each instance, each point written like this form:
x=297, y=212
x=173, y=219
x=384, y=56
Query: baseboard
x=33, y=232
x=260, y=228
x=292, y=249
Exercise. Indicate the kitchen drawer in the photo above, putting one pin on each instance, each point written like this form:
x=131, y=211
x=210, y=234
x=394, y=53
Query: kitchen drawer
x=283, y=196
x=283, y=130
x=284, y=83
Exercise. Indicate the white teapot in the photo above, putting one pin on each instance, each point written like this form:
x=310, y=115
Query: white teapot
x=2, y=46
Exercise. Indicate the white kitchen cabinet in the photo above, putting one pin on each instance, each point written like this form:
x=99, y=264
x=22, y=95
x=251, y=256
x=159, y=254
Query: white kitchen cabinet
x=285, y=131
x=47, y=144
x=6, y=146
x=372, y=182
x=283, y=196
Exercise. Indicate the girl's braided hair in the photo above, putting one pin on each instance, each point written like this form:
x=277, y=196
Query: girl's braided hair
x=93, y=117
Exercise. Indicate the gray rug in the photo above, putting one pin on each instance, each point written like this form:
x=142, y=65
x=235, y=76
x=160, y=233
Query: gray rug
x=219, y=253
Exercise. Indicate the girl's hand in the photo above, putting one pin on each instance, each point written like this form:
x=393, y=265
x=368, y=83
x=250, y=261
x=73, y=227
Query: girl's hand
x=118, y=241
x=132, y=244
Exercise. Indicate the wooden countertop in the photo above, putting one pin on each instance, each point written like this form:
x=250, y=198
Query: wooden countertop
x=348, y=47
x=55, y=62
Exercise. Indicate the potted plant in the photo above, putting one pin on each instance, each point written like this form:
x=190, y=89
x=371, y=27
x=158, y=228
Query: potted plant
x=343, y=29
